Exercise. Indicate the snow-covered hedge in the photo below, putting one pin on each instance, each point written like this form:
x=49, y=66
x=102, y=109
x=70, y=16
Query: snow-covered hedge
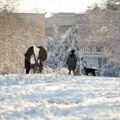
x=111, y=70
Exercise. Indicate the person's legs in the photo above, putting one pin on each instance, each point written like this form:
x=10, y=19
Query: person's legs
x=69, y=72
x=74, y=72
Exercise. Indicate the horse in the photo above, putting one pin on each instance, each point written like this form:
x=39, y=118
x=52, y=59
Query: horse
x=34, y=58
x=90, y=70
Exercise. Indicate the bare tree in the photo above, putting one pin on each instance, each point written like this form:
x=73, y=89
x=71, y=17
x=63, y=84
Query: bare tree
x=104, y=31
x=113, y=4
x=15, y=37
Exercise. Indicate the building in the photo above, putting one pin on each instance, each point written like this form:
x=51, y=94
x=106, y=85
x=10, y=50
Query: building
x=62, y=20
x=36, y=21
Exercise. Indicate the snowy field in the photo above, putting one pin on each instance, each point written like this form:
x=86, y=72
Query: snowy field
x=59, y=97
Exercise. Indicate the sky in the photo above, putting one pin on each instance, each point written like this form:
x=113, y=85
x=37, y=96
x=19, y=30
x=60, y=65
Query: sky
x=54, y=6
x=59, y=97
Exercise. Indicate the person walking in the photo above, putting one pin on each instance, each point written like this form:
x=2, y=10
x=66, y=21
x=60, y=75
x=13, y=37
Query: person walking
x=71, y=62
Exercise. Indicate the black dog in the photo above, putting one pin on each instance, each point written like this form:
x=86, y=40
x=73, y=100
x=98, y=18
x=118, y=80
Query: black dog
x=90, y=70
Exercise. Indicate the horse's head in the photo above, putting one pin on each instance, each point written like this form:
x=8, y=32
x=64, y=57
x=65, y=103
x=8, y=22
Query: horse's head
x=29, y=52
x=42, y=54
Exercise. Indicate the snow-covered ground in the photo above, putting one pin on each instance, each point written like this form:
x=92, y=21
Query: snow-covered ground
x=59, y=97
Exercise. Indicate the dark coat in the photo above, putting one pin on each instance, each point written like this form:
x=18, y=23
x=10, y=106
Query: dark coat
x=71, y=62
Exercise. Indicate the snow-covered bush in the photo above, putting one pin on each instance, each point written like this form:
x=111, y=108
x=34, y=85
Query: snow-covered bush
x=62, y=71
x=59, y=51
x=48, y=70
x=15, y=38
x=111, y=70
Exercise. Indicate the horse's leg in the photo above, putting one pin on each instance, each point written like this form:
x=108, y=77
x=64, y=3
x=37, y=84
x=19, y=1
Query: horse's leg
x=27, y=65
x=27, y=70
x=33, y=66
x=35, y=69
x=40, y=67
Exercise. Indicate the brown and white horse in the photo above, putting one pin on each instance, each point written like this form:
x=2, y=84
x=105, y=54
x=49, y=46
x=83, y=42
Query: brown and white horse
x=34, y=58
